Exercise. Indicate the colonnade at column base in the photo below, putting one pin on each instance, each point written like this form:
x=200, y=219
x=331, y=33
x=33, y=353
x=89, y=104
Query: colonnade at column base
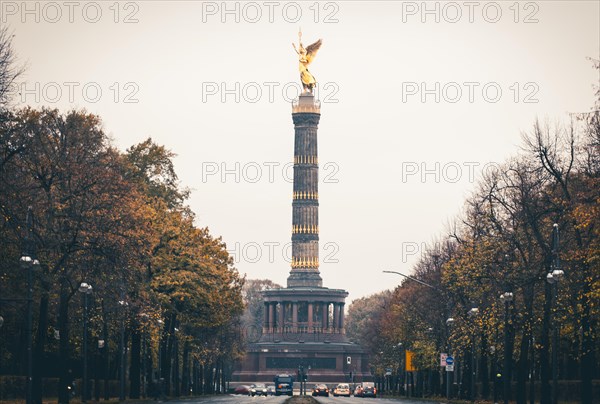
x=302, y=330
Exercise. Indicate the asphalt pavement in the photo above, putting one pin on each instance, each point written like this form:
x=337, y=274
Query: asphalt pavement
x=244, y=399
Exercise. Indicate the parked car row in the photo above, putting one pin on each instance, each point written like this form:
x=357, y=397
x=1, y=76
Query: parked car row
x=258, y=389
x=365, y=389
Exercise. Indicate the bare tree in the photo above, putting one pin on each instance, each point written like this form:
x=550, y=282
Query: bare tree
x=9, y=70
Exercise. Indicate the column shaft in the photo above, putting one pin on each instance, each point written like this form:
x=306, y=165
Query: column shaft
x=266, y=317
x=280, y=324
x=336, y=316
x=295, y=316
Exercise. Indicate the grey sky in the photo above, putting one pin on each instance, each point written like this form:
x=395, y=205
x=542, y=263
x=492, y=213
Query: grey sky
x=395, y=167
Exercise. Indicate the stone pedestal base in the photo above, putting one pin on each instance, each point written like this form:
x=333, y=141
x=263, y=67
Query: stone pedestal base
x=328, y=362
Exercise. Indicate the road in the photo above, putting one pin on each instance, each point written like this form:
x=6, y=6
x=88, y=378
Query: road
x=367, y=400
x=241, y=399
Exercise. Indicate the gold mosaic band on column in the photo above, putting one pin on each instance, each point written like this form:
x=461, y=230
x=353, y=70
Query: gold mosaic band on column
x=305, y=229
x=306, y=160
x=305, y=195
x=305, y=262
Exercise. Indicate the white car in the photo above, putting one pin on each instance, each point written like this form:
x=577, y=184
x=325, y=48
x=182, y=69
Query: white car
x=342, y=389
x=258, y=389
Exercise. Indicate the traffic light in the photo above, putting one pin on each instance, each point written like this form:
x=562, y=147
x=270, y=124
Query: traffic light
x=348, y=360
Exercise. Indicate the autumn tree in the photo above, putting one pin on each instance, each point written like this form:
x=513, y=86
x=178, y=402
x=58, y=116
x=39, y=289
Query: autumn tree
x=253, y=318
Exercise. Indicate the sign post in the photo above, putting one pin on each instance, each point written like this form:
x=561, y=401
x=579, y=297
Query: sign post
x=449, y=364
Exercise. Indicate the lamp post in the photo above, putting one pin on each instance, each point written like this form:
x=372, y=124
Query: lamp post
x=160, y=345
x=99, y=366
x=145, y=319
x=473, y=313
x=85, y=289
x=506, y=298
x=400, y=366
x=123, y=304
x=28, y=264
x=449, y=323
x=554, y=278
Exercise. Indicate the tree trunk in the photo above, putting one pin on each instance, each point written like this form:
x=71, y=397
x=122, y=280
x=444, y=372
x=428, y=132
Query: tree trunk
x=523, y=369
x=167, y=349
x=524, y=363
x=545, y=370
x=105, y=354
x=483, y=365
x=40, y=342
x=195, y=382
x=176, y=383
x=135, y=367
x=66, y=374
x=97, y=372
x=511, y=349
x=185, y=372
x=587, y=356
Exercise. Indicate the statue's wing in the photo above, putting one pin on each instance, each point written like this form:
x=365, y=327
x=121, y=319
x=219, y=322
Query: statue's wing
x=311, y=50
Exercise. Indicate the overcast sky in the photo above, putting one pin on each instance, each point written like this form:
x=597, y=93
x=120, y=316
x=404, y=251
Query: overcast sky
x=416, y=99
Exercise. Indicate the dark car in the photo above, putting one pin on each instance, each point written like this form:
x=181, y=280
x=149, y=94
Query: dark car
x=365, y=389
x=284, y=384
x=242, y=389
x=320, y=390
x=258, y=389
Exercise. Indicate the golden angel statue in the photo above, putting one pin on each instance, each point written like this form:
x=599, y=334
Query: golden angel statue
x=305, y=57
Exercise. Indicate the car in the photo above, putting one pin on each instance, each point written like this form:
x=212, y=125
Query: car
x=320, y=390
x=365, y=389
x=342, y=389
x=284, y=384
x=258, y=389
x=270, y=390
x=242, y=389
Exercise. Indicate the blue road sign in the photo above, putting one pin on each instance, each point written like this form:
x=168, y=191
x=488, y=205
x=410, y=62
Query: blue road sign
x=449, y=360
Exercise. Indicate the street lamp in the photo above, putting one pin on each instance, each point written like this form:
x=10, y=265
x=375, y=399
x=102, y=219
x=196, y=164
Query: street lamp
x=123, y=305
x=449, y=323
x=473, y=313
x=554, y=277
x=28, y=264
x=400, y=366
x=160, y=345
x=85, y=289
x=506, y=298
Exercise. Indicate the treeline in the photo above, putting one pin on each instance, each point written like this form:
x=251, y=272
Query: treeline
x=165, y=298
x=536, y=214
